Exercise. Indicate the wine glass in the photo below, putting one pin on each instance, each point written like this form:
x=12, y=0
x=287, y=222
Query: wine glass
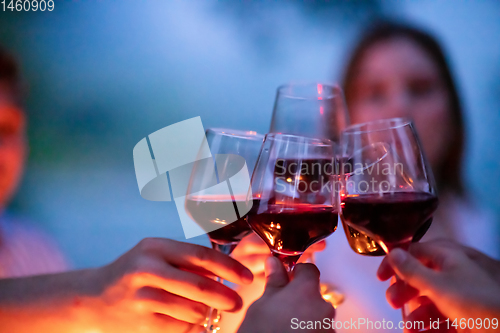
x=294, y=205
x=217, y=192
x=314, y=110
x=388, y=191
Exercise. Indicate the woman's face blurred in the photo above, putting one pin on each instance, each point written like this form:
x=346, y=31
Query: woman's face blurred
x=12, y=146
x=396, y=78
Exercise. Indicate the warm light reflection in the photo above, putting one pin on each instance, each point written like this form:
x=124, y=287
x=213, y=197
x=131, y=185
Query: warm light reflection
x=218, y=221
x=383, y=246
x=270, y=238
x=331, y=294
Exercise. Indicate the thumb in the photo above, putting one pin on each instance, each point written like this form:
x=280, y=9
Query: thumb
x=412, y=271
x=276, y=275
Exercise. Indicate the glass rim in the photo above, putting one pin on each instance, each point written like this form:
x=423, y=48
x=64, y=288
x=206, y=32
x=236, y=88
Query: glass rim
x=396, y=122
x=331, y=95
x=298, y=138
x=242, y=134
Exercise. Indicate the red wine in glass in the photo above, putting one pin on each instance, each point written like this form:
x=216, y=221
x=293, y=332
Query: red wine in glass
x=205, y=210
x=365, y=245
x=290, y=230
x=393, y=218
x=310, y=175
x=362, y=243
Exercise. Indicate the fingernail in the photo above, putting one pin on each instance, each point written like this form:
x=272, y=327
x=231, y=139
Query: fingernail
x=398, y=256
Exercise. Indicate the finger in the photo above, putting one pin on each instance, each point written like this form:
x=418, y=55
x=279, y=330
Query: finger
x=255, y=262
x=489, y=264
x=160, y=301
x=435, y=254
x=192, y=256
x=199, y=271
x=306, y=258
x=251, y=244
x=306, y=271
x=308, y=255
x=317, y=247
x=431, y=254
x=412, y=271
x=427, y=313
x=400, y=293
x=192, y=286
x=306, y=275
x=385, y=270
x=276, y=275
x=166, y=323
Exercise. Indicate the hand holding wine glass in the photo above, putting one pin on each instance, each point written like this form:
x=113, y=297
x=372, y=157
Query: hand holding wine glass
x=460, y=281
x=160, y=285
x=284, y=299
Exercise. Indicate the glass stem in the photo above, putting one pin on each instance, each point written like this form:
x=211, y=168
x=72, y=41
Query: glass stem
x=405, y=310
x=288, y=261
x=224, y=248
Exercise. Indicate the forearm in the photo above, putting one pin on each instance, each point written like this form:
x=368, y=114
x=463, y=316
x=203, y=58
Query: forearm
x=61, y=302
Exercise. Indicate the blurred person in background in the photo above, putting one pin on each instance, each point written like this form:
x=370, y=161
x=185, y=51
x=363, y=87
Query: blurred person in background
x=400, y=71
x=397, y=70
x=24, y=249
